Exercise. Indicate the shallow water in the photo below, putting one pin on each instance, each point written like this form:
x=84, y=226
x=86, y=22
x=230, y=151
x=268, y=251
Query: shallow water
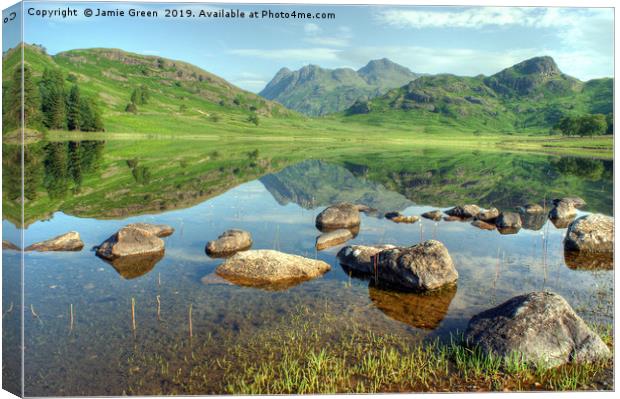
x=96, y=355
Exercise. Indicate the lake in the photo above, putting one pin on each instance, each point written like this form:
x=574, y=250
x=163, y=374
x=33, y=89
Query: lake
x=274, y=190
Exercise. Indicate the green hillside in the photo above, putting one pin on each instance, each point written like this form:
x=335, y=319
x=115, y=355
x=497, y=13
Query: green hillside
x=530, y=96
x=314, y=91
x=182, y=96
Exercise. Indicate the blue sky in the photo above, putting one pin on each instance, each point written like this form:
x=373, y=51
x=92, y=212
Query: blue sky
x=248, y=52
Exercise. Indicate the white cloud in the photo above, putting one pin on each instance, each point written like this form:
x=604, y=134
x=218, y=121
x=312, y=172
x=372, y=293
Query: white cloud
x=314, y=34
x=310, y=55
x=480, y=17
x=311, y=28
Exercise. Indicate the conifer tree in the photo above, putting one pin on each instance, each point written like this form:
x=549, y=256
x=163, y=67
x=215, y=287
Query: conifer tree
x=52, y=91
x=73, y=108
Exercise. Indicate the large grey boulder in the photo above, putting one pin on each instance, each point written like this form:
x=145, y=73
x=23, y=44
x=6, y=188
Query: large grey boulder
x=464, y=211
x=359, y=258
x=264, y=268
x=229, y=242
x=333, y=238
x=70, y=241
x=160, y=230
x=590, y=234
x=130, y=241
x=338, y=216
x=541, y=327
x=425, y=266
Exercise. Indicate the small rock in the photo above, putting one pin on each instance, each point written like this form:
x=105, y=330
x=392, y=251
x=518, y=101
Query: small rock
x=397, y=217
x=483, y=225
x=338, y=216
x=508, y=220
x=488, y=215
x=454, y=219
x=433, y=215
x=9, y=245
x=263, y=268
x=130, y=241
x=576, y=202
x=531, y=208
x=359, y=258
x=591, y=234
x=425, y=266
x=333, y=238
x=160, y=230
x=533, y=221
x=541, y=327
x=562, y=210
x=70, y=241
x=229, y=242
x=464, y=211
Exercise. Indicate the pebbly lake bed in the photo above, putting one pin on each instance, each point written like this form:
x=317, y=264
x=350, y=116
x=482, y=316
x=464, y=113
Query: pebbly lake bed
x=79, y=336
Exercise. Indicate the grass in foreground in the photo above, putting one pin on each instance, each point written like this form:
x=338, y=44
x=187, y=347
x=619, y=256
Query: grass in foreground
x=303, y=357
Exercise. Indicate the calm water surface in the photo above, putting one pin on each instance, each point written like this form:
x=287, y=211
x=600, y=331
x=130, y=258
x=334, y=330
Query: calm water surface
x=96, y=356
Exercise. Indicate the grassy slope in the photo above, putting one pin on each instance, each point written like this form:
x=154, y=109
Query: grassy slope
x=511, y=101
x=110, y=76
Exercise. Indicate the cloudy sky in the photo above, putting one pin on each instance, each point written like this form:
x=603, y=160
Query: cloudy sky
x=248, y=52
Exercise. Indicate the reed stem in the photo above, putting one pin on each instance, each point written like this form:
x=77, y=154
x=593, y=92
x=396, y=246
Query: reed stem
x=71, y=317
x=158, y=308
x=133, y=314
x=191, y=332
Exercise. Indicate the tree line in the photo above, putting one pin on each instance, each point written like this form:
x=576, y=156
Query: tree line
x=48, y=105
x=586, y=125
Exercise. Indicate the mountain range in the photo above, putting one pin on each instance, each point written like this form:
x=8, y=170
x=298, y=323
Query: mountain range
x=529, y=97
x=315, y=91
x=533, y=94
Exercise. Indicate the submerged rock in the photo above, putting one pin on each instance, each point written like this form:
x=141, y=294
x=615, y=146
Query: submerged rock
x=591, y=234
x=541, y=327
x=359, y=258
x=133, y=266
x=214, y=279
x=160, y=230
x=575, y=202
x=333, y=238
x=130, y=241
x=563, y=211
x=70, y=241
x=9, y=245
x=464, y=211
x=483, y=225
x=425, y=266
x=423, y=310
x=264, y=268
x=508, y=221
x=533, y=221
x=488, y=215
x=433, y=215
x=589, y=261
x=562, y=223
x=398, y=217
x=338, y=216
x=229, y=242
